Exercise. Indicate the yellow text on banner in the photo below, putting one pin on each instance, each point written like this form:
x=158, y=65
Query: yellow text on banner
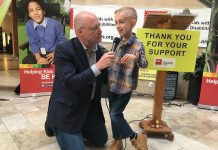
x=145, y=74
x=170, y=50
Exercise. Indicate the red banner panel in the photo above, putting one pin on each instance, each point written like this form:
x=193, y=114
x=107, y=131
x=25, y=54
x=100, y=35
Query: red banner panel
x=209, y=89
x=36, y=81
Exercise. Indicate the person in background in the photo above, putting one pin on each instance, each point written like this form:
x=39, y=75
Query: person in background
x=123, y=77
x=81, y=64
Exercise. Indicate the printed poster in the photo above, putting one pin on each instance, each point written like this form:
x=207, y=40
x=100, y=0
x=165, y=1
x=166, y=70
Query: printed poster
x=169, y=50
x=36, y=79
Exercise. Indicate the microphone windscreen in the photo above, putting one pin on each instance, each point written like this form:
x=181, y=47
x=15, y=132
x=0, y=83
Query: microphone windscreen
x=116, y=41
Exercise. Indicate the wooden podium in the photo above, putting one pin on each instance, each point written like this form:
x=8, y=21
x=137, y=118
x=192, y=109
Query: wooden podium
x=162, y=21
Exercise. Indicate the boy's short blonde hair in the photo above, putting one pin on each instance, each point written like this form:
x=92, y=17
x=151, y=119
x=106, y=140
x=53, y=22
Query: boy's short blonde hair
x=130, y=12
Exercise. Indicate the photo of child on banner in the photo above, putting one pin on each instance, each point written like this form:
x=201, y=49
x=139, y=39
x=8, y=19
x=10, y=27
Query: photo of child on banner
x=44, y=33
x=38, y=37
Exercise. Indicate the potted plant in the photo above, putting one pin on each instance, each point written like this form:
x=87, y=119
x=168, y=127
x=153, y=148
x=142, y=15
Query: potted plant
x=194, y=79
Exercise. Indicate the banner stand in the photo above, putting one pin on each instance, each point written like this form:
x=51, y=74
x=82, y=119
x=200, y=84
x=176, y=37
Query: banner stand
x=207, y=107
x=209, y=86
x=162, y=21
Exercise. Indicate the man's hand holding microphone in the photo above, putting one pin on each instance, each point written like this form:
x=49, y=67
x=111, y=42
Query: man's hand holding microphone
x=106, y=60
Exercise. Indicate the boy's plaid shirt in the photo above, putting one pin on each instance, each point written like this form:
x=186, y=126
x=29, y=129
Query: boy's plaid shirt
x=123, y=78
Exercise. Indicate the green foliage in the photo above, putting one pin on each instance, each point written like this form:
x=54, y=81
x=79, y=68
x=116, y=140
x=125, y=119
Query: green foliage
x=22, y=37
x=199, y=66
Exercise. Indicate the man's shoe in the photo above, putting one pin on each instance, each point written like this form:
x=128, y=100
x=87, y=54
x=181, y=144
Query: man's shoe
x=48, y=130
x=140, y=142
x=116, y=145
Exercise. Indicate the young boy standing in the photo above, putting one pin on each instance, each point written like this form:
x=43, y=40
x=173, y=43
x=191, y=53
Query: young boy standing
x=123, y=77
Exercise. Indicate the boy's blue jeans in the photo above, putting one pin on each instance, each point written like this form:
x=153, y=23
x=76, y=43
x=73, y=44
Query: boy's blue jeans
x=117, y=104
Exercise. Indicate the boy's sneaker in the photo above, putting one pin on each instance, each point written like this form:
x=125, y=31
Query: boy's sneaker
x=116, y=145
x=140, y=143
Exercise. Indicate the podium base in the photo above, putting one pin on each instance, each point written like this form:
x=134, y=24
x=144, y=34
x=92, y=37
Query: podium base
x=146, y=125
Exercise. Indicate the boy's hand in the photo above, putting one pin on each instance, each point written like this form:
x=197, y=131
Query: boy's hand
x=127, y=58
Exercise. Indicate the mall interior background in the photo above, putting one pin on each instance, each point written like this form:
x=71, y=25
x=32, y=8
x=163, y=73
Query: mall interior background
x=145, y=87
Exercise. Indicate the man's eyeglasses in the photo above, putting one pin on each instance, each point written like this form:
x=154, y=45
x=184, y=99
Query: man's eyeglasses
x=93, y=28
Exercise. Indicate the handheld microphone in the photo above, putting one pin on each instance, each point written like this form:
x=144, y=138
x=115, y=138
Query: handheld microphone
x=116, y=41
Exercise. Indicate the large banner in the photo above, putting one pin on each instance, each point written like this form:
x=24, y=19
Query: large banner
x=169, y=49
x=105, y=14
x=37, y=79
x=201, y=24
x=209, y=86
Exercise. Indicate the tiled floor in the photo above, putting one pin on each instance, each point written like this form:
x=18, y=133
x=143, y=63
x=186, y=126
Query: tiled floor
x=8, y=62
x=22, y=119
